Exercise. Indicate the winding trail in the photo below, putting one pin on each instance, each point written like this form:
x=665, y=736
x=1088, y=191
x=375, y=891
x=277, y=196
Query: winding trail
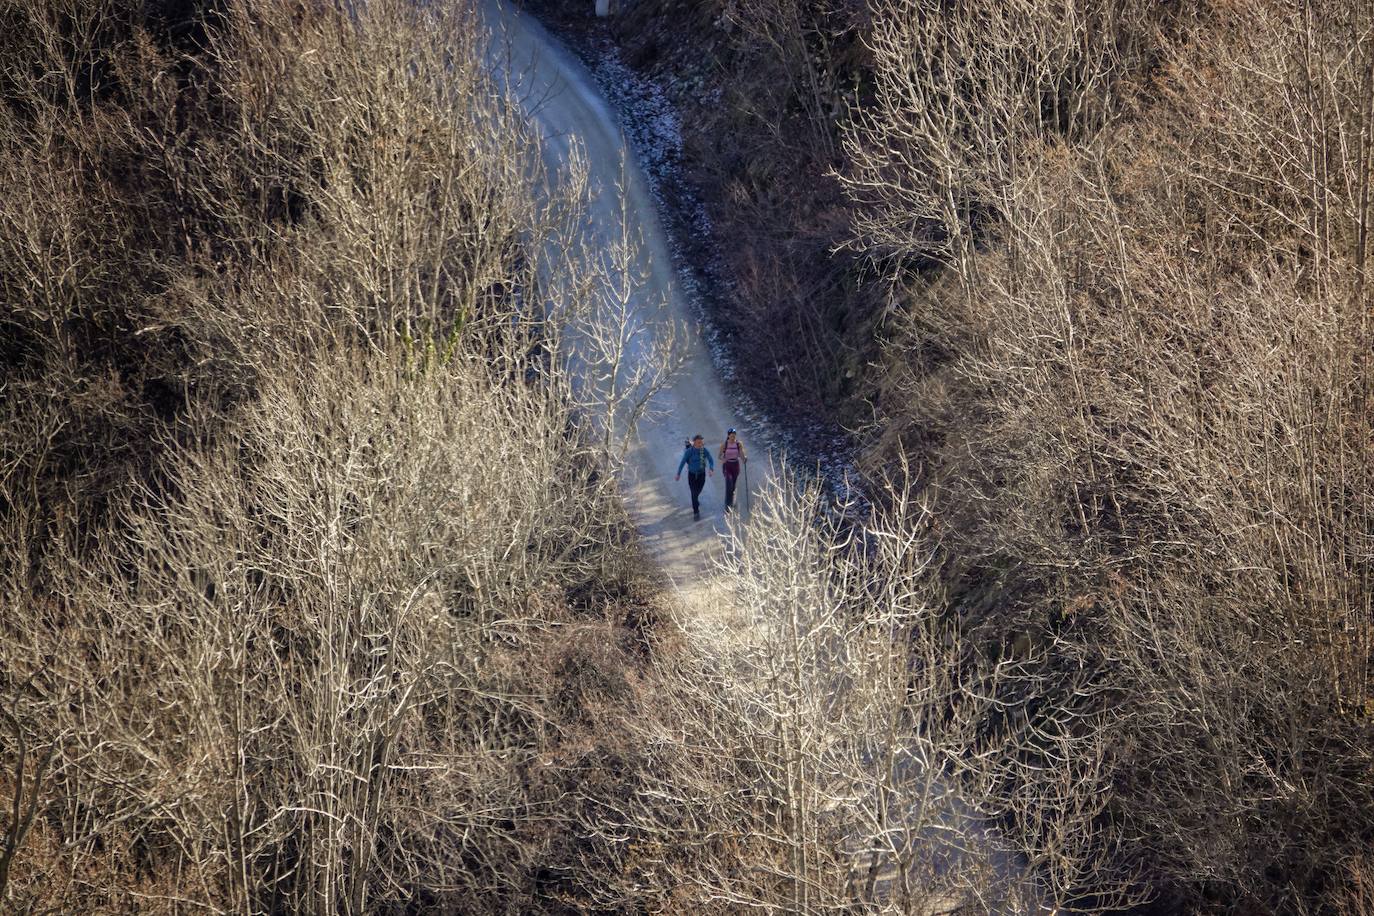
x=570, y=109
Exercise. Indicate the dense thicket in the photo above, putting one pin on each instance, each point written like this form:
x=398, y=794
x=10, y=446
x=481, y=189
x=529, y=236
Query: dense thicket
x=1142, y=386
x=1127, y=344
x=313, y=589
x=318, y=597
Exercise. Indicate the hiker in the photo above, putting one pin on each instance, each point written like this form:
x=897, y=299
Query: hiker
x=697, y=458
x=732, y=457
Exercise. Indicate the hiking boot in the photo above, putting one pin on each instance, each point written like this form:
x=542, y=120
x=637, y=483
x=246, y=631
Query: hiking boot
x=696, y=514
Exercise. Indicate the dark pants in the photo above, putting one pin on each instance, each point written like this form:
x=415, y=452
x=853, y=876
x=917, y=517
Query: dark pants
x=695, y=481
x=731, y=469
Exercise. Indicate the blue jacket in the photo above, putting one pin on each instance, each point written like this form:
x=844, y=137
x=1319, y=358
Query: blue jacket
x=692, y=457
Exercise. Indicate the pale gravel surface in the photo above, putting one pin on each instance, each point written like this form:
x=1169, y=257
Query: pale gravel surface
x=570, y=110
x=652, y=125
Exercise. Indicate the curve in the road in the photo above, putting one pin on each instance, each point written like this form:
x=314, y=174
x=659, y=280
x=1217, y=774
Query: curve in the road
x=568, y=110
x=571, y=110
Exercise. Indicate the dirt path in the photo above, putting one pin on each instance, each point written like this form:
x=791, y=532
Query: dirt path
x=570, y=109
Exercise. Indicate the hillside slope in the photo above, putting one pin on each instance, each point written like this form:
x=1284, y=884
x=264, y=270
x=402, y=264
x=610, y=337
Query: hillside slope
x=1104, y=269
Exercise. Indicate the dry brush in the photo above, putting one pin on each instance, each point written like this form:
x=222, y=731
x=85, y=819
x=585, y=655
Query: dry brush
x=1140, y=388
x=315, y=580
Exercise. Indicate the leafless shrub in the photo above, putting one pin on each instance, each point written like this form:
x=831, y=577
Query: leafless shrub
x=296, y=680
x=800, y=37
x=297, y=497
x=840, y=742
x=1142, y=391
x=30, y=767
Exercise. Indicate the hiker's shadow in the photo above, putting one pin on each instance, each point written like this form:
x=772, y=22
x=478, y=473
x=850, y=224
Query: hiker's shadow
x=678, y=521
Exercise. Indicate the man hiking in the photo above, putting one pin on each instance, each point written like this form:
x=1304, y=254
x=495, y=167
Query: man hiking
x=697, y=458
x=732, y=457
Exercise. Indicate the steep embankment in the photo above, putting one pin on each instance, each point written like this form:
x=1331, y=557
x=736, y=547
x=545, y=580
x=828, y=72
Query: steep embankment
x=759, y=97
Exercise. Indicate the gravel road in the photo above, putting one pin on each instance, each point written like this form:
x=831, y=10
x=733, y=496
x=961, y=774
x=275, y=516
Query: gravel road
x=568, y=109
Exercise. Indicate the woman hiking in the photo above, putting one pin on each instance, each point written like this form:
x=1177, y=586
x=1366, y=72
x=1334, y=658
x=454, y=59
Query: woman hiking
x=697, y=459
x=732, y=458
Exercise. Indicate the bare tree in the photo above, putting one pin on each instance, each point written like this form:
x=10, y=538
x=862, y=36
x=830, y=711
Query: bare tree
x=299, y=634
x=1142, y=390
x=619, y=340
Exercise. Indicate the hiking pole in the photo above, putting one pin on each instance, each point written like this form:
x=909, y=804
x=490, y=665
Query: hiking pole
x=746, y=488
